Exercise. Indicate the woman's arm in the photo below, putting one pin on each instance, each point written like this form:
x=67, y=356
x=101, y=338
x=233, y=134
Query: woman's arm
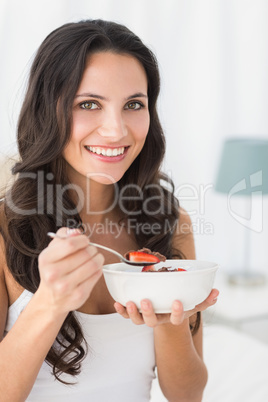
x=25, y=347
x=181, y=371
x=69, y=270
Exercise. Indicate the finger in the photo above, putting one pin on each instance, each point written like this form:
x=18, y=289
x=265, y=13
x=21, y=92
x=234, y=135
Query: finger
x=67, y=232
x=76, y=260
x=82, y=292
x=177, y=313
x=86, y=270
x=59, y=270
x=73, y=232
x=214, y=294
x=210, y=301
x=134, y=314
x=121, y=310
x=80, y=275
x=58, y=249
x=148, y=313
x=212, y=297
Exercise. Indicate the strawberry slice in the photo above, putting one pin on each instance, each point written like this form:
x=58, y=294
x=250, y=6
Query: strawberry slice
x=148, y=268
x=140, y=256
x=151, y=268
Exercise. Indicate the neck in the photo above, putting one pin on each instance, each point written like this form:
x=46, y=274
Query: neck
x=95, y=201
x=100, y=201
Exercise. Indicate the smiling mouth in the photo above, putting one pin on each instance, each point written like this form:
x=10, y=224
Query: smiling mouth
x=110, y=152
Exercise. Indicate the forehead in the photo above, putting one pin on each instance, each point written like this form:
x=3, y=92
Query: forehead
x=107, y=70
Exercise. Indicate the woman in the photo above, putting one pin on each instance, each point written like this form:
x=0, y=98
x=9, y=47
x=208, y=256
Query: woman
x=91, y=147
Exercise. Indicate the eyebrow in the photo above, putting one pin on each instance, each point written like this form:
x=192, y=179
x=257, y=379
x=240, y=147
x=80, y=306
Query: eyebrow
x=90, y=95
x=137, y=95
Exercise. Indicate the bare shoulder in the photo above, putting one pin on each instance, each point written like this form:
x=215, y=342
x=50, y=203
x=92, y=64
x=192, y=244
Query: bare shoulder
x=183, y=239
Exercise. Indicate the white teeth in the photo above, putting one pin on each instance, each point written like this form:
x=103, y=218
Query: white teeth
x=107, y=151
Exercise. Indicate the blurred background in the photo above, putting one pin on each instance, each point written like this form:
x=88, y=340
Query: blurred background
x=213, y=59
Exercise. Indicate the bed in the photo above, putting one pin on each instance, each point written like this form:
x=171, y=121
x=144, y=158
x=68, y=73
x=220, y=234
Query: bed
x=237, y=366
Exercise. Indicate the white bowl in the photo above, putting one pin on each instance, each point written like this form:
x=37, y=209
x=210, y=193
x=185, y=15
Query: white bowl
x=127, y=283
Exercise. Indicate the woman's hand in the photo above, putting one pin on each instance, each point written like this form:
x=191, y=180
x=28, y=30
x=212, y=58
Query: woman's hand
x=148, y=316
x=69, y=269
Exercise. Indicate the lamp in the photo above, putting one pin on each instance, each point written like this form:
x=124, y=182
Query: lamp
x=243, y=171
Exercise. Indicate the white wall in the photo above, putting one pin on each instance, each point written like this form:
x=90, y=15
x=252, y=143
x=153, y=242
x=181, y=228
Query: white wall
x=213, y=57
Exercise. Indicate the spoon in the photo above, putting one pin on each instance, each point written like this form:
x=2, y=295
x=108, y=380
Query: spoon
x=120, y=256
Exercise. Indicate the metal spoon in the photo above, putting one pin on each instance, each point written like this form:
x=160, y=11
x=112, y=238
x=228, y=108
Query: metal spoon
x=120, y=256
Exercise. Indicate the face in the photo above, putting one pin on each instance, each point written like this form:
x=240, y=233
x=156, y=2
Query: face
x=110, y=118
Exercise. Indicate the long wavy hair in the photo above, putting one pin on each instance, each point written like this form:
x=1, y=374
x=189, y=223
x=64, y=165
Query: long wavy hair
x=44, y=127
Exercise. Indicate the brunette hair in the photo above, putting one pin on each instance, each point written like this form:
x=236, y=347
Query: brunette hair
x=43, y=131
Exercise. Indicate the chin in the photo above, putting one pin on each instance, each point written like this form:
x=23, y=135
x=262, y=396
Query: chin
x=103, y=178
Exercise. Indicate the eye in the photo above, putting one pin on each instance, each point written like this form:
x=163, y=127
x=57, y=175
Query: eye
x=134, y=105
x=88, y=105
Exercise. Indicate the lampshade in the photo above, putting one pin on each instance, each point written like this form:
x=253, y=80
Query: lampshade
x=244, y=166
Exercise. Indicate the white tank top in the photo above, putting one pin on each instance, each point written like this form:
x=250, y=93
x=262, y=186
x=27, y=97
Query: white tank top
x=119, y=366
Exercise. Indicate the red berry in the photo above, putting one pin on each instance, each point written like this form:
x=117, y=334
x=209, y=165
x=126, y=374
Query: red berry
x=139, y=256
x=148, y=268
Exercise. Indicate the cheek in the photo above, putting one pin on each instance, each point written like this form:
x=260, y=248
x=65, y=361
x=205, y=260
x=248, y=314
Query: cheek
x=141, y=127
x=68, y=152
x=82, y=123
x=73, y=146
x=82, y=126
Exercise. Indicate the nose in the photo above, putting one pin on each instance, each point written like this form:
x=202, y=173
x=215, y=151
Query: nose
x=113, y=126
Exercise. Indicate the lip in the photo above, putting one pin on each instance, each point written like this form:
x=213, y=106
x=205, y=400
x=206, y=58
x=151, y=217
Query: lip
x=109, y=159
